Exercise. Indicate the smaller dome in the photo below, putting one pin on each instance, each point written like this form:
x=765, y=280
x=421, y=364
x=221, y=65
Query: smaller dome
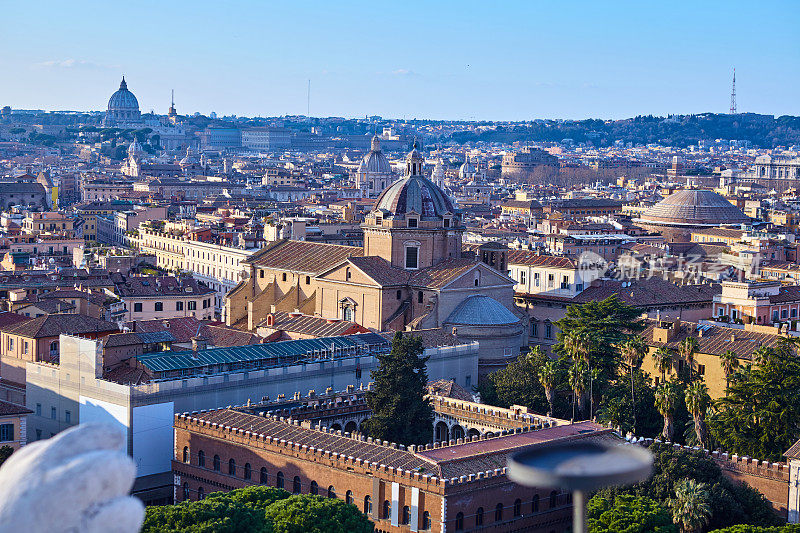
x=375, y=162
x=479, y=310
x=135, y=149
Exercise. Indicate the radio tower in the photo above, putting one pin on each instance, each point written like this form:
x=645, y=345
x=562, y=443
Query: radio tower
x=733, y=94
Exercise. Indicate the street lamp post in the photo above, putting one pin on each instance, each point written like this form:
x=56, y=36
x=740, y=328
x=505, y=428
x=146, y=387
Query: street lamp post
x=581, y=467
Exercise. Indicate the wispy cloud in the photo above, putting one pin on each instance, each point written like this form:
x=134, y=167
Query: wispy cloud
x=72, y=63
x=404, y=72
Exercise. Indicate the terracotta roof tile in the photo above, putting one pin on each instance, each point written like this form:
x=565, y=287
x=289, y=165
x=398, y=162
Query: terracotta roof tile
x=302, y=256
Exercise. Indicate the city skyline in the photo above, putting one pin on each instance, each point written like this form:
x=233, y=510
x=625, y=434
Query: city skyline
x=442, y=61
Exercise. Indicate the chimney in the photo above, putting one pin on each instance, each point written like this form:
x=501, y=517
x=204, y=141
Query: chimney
x=199, y=343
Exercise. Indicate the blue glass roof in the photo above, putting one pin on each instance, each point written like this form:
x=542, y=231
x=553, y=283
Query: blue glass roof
x=343, y=346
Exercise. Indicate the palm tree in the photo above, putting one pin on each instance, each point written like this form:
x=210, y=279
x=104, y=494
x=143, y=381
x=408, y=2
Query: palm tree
x=632, y=352
x=577, y=382
x=691, y=508
x=686, y=349
x=666, y=403
x=729, y=362
x=663, y=359
x=762, y=354
x=697, y=401
x=578, y=345
x=549, y=376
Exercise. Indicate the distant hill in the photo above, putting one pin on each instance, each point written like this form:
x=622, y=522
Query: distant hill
x=764, y=131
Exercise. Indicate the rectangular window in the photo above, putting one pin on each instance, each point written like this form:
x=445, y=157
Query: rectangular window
x=10, y=344
x=564, y=282
x=53, y=413
x=137, y=307
x=548, y=331
x=411, y=256
x=38, y=409
x=701, y=369
x=192, y=305
x=535, y=329
x=6, y=432
x=784, y=313
x=522, y=277
x=159, y=306
x=794, y=312
x=25, y=347
x=447, y=223
x=535, y=279
x=179, y=306
x=550, y=280
x=68, y=417
x=412, y=222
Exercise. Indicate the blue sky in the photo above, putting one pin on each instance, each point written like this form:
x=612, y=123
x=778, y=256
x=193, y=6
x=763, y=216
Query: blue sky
x=408, y=59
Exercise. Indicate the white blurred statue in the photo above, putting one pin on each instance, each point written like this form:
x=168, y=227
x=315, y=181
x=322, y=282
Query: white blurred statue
x=77, y=482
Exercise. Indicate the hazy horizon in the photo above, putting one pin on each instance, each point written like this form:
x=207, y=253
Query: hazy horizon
x=516, y=61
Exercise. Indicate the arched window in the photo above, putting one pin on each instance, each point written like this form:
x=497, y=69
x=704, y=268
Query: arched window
x=232, y=467
x=479, y=517
x=553, y=498
x=296, y=485
x=216, y=463
x=399, y=294
x=313, y=489
x=262, y=477
x=279, y=480
x=426, y=520
x=460, y=522
x=518, y=507
x=498, y=512
x=185, y=491
x=477, y=278
x=201, y=458
x=535, y=504
x=247, y=471
x=347, y=274
x=348, y=497
x=387, y=509
x=367, y=505
x=331, y=492
x=200, y=493
x=185, y=454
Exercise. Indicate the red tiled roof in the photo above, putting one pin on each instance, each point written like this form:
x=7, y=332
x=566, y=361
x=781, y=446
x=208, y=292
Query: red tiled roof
x=525, y=257
x=11, y=409
x=312, y=325
x=302, y=256
x=440, y=275
x=380, y=270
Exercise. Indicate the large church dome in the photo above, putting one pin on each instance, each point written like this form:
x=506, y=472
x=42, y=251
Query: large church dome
x=694, y=208
x=123, y=99
x=417, y=194
x=123, y=107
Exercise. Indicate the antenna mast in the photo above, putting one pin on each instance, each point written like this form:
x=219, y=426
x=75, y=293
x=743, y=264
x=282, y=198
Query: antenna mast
x=308, y=103
x=733, y=94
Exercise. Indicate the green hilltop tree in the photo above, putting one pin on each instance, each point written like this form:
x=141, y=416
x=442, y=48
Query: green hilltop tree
x=401, y=412
x=628, y=514
x=316, y=514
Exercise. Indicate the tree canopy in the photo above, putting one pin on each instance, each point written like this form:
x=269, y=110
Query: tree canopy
x=257, y=510
x=401, y=412
x=626, y=513
x=731, y=503
x=760, y=416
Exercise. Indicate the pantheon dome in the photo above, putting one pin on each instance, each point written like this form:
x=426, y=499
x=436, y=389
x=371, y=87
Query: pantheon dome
x=678, y=214
x=694, y=208
x=123, y=108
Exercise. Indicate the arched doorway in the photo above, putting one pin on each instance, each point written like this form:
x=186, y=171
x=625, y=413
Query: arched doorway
x=442, y=432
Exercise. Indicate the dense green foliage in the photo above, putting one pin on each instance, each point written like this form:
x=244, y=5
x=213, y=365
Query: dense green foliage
x=628, y=514
x=616, y=407
x=520, y=384
x=316, y=514
x=760, y=416
x=5, y=453
x=746, y=528
x=257, y=510
x=401, y=412
x=731, y=503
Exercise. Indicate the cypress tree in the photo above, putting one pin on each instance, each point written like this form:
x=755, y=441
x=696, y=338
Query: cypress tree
x=401, y=412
